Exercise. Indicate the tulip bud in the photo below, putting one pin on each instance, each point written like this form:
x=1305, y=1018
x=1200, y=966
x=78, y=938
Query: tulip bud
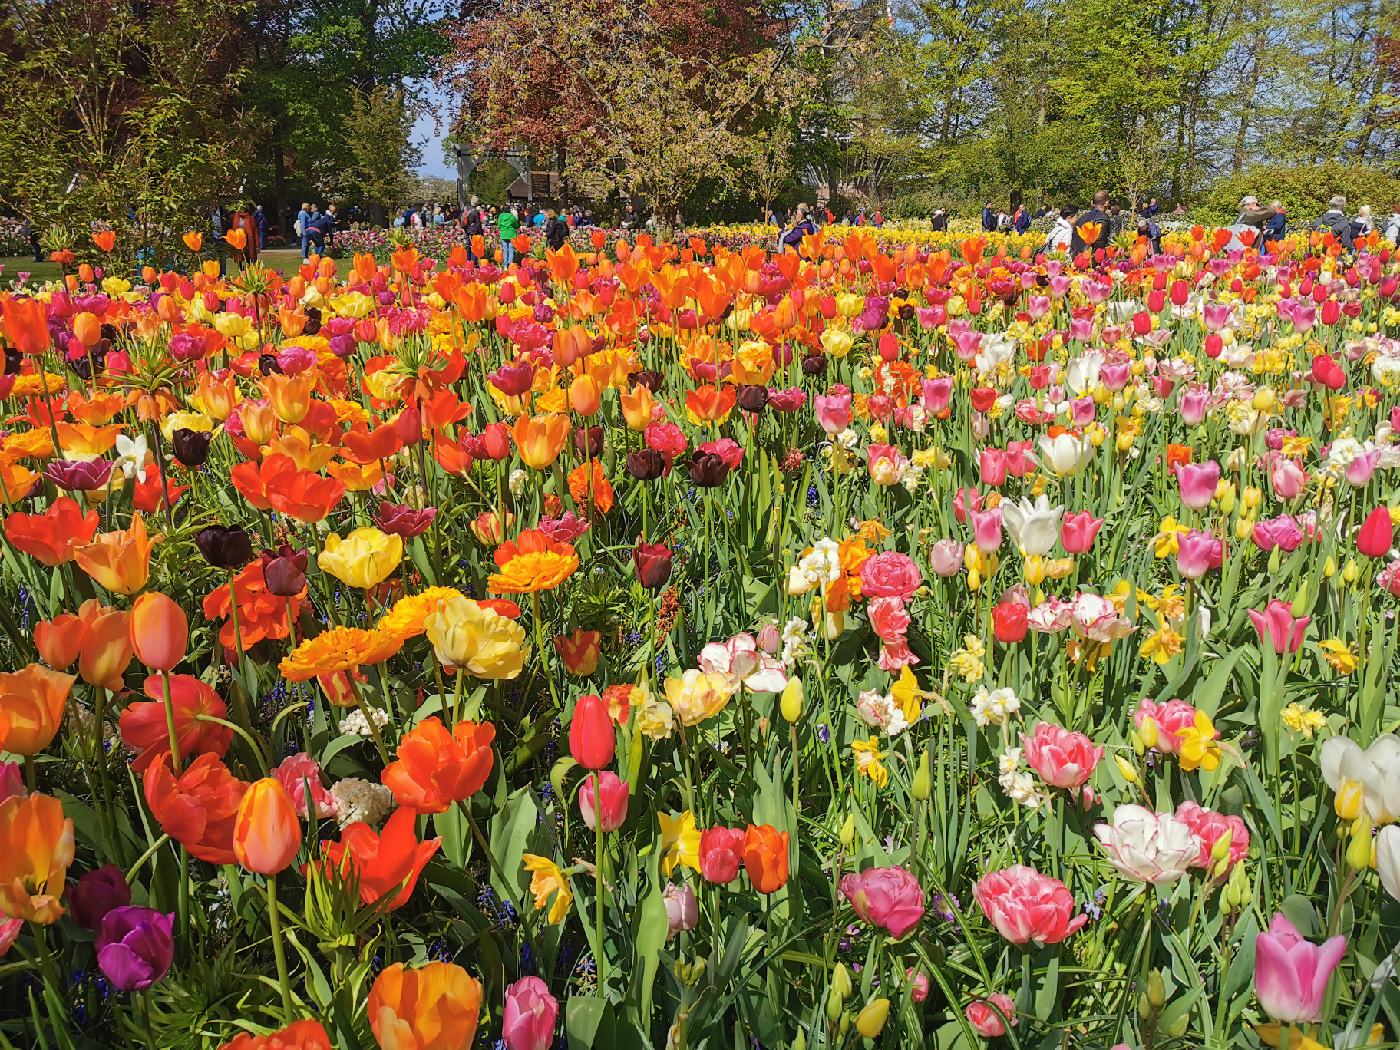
x=1300, y=600
x=1350, y=572
x=1238, y=891
x=1156, y=990
x=870, y=1022
x=841, y=986
x=833, y=1008
x=848, y=831
x=1275, y=560
x=1359, y=849
x=799, y=1041
x=1252, y=496
x=792, y=698
x=1176, y=1029
x=923, y=779
x=1148, y=732
x=1220, y=854
x=1329, y=567
x=1348, y=800
x=1126, y=769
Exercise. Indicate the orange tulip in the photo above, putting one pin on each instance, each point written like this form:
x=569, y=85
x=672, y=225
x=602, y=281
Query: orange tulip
x=218, y=397
x=540, y=439
x=584, y=397
x=26, y=325
x=87, y=328
x=31, y=708
x=432, y=1007
x=266, y=833
x=96, y=636
x=710, y=404
x=299, y=1035
x=766, y=857
x=237, y=239
x=436, y=768
x=36, y=847
x=105, y=239
x=532, y=562
x=54, y=535
x=120, y=561
x=290, y=396
x=194, y=240
x=159, y=631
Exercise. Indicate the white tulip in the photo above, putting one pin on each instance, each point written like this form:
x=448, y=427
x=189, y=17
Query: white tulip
x=1147, y=846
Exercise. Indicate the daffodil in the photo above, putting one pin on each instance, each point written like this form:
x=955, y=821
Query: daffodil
x=547, y=879
x=680, y=841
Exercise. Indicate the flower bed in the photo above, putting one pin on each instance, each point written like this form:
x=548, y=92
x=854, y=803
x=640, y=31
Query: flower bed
x=918, y=639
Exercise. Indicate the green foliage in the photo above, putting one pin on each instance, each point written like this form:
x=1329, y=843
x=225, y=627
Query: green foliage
x=1304, y=189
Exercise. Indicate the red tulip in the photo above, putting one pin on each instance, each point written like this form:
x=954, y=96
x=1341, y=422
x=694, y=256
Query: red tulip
x=1009, y=622
x=592, y=740
x=1377, y=534
x=613, y=792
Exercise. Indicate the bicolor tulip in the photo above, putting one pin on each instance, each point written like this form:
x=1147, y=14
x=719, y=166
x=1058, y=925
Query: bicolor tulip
x=266, y=832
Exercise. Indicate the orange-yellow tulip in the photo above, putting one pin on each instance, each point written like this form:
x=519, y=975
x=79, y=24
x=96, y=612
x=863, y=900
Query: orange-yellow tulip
x=584, y=397
x=237, y=239
x=120, y=561
x=637, y=407
x=31, y=708
x=266, y=833
x=194, y=240
x=159, y=631
x=87, y=328
x=432, y=1007
x=36, y=847
x=290, y=396
x=540, y=439
x=217, y=397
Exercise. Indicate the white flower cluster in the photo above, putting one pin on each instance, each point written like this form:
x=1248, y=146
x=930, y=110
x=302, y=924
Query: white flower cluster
x=361, y=800
x=994, y=707
x=1018, y=783
x=357, y=724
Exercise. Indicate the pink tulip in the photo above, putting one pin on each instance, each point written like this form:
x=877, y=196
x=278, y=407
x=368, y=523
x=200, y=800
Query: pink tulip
x=1197, y=482
x=1027, y=907
x=991, y=466
x=986, y=529
x=1278, y=626
x=1115, y=377
x=1062, y=758
x=11, y=781
x=1360, y=469
x=682, y=909
x=989, y=1017
x=1197, y=553
x=937, y=393
x=919, y=983
x=834, y=410
x=1286, y=477
x=1078, y=530
x=890, y=898
x=530, y=1015
x=946, y=557
x=1192, y=405
x=1210, y=826
x=1291, y=974
x=614, y=794
x=1172, y=718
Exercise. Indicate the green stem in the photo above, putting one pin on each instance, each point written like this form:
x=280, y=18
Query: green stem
x=278, y=950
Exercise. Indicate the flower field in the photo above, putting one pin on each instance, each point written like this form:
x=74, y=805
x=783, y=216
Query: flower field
x=912, y=641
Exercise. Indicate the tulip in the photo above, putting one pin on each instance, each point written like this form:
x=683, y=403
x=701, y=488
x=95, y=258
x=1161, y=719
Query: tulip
x=1377, y=534
x=1062, y=758
x=986, y=529
x=305, y=1034
x=1388, y=859
x=530, y=1015
x=476, y=638
x=386, y=864
x=890, y=898
x=430, y=1007
x=159, y=631
x=191, y=447
x=404, y=521
x=989, y=1017
x=11, y=782
x=1278, y=627
x=946, y=557
x=1197, y=553
x=1010, y=622
x=1196, y=482
x=1078, y=531
x=870, y=1022
x=540, y=439
x=592, y=737
x=97, y=893
x=614, y=794
x=363, y=558
x=579, y=651
x=1027, y=907
x=135, y=946
x=682, y=909
x=1291, y=974
x=653, y=564
x=285, y=571
x=721, y=850
x=266, y=833
x=32, y=701
x=646, y=464
x=1147, y=846
x=36, y=847
x=1034, y=527
x=54, y=536
x=120, y=561
x=225, y=548
x=790, y=703
x=766, y=857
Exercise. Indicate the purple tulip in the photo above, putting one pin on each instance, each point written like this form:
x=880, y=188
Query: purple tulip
x=77, y=475
x=135, y=946
x=97, y=893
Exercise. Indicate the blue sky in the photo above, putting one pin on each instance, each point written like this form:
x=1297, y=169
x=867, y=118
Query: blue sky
x=428, y=136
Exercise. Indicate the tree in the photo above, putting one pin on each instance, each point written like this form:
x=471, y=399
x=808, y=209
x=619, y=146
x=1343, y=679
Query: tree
x=379, y=151
x=123, y=112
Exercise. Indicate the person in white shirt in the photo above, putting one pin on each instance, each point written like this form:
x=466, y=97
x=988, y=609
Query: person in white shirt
x=1062, y=233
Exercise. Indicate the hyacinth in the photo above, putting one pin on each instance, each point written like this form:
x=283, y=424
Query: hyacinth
x=453, y=636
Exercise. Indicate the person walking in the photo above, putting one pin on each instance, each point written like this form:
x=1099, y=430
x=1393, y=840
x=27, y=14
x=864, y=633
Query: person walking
x=989, y=218
x=260, y=225
x=1335, y=219
x=1392, y=225
x=302, y=226
x=508, y=224
x=556, y=230
x=1095, y=221
x=472, y=226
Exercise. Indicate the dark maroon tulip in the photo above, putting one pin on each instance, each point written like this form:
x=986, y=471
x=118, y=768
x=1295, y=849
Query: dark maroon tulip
x=814, y=365
x=653, y=564
x=708, y=470
x=285, y=571
x=191, y=447
x=588, y=442
x=224, y=548
x=402, y=520
x=646, y=464
x=648, y=378
x=752, y=398
x=97, y=893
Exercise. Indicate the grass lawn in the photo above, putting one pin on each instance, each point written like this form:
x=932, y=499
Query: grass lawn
x=283, y=260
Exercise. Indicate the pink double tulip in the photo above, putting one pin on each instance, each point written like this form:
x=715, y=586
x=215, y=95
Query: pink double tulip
x=990, y=1016
x=1027, y=907
x=1062, y=758
x=1291, y=974
x=890, y=898
x=1278, y=627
